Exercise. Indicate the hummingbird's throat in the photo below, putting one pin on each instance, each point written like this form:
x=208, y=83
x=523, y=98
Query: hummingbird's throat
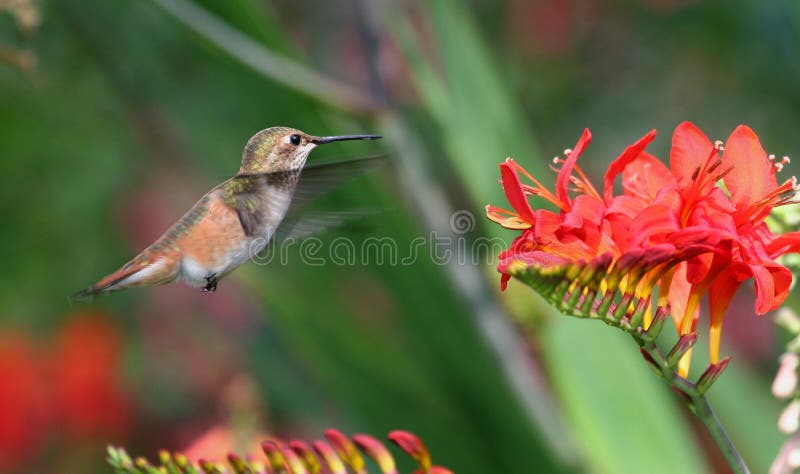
x=294, y=161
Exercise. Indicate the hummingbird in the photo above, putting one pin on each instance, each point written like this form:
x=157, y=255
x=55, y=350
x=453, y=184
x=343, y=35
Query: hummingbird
x=237, y=218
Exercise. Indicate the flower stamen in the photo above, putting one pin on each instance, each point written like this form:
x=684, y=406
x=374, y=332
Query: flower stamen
x=539, y=190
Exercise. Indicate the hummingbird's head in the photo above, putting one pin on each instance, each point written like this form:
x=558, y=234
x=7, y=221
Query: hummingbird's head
x=278, y=149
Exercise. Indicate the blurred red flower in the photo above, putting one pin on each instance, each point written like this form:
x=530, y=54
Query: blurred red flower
x=87, y=386
x=219, y=441
x=24, y=400
x=73, y=389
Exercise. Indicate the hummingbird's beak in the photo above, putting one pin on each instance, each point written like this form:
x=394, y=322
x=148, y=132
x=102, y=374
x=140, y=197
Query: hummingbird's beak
x=340, y=138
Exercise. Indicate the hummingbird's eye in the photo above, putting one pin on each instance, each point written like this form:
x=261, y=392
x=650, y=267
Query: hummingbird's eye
x=294, y=139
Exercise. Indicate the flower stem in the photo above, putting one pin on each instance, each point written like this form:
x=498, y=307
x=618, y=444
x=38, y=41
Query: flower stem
x=702, y=409
x=694, y=396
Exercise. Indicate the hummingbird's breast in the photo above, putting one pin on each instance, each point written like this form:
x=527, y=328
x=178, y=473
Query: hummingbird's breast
x=236, y=227
x=276, y=203
x=263, y=201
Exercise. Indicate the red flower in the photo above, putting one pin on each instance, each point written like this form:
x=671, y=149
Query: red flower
x=574, y=234
x=218, y=441
x=86, y=381
x=734, y=223
x=685, y=233
x=73, y=389
x=24, y=402
x=754, y=192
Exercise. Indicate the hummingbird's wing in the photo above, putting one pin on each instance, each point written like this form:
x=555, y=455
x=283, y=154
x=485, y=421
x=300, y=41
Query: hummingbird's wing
x=253, y=194
x=300, y=225
x=321, y=178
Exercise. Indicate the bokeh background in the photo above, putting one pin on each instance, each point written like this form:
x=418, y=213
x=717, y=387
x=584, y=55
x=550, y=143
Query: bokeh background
x=116, y=116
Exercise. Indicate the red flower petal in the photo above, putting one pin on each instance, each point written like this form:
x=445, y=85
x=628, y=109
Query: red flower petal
x=752, y=176
x=505, y=218
x=654, y=223
x=690, y=150
x=720, y=295
x=617, y=166
x=645, y=176
x=514, y=193
x=562, y=182
x=584, y=219
x=627, y=206
x=678, y=291
x=786, y=243
x=772, y=286
x=584, y=208
x=504, y=281
x=546, y=226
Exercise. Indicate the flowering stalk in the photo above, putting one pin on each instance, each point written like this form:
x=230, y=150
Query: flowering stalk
x=554, y=284
x=339, y=455
x=674, y=230
x=784, y=386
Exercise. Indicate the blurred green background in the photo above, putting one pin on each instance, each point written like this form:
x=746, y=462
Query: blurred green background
x=116, y=116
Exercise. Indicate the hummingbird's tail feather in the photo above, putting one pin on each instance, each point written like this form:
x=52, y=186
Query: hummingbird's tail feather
x=137, y=272
x=102, y=286
x=84, y=295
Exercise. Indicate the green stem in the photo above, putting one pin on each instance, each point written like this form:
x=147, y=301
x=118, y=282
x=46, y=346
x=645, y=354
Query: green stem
x=702, y=409
x=695, y=400
x=270, y=64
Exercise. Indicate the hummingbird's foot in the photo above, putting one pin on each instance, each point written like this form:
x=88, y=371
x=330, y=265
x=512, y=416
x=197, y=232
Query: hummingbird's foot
x=212, y=283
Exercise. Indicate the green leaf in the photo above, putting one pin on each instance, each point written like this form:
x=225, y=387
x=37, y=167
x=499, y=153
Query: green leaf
x=626, y=420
